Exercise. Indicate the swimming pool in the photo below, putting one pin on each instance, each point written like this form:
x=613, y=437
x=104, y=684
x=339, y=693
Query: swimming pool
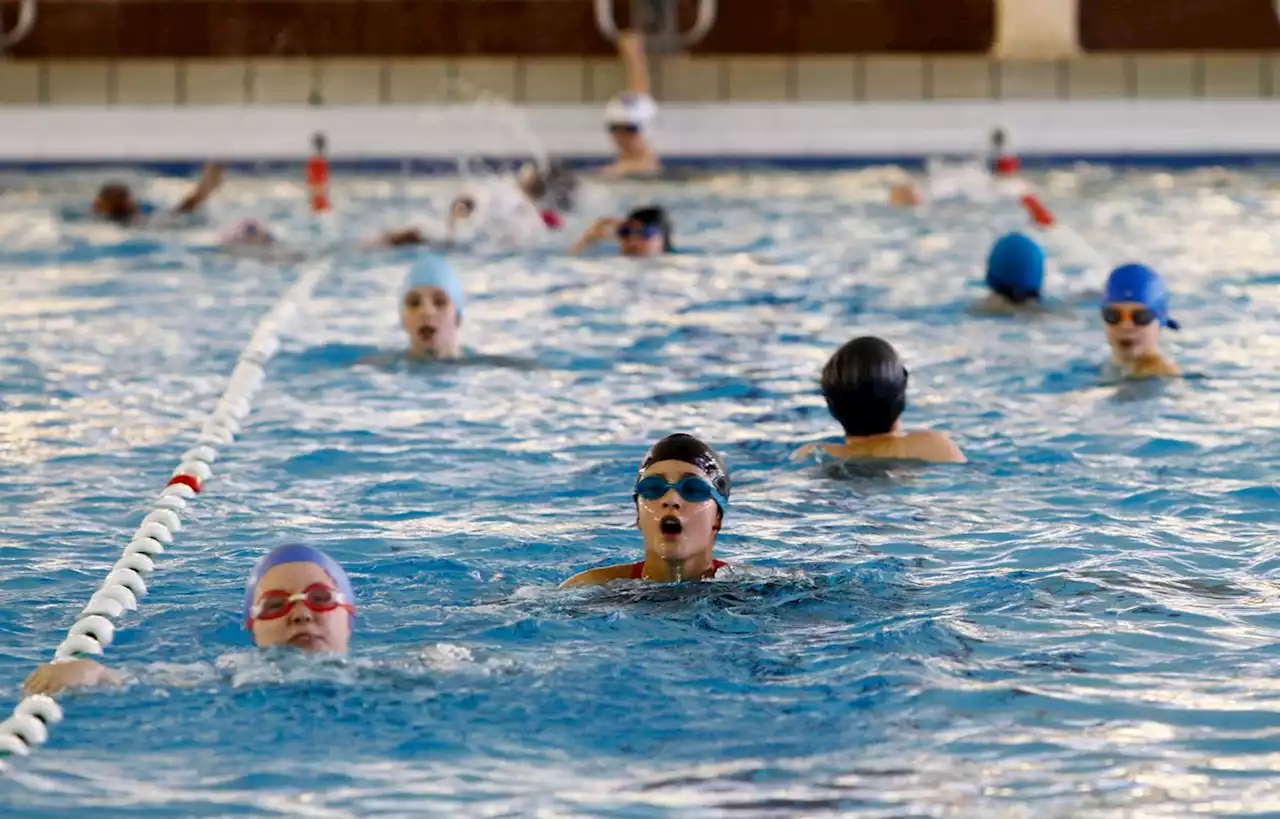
x=1079, y=622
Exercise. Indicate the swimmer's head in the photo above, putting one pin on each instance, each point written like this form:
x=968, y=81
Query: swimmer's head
x=555, y=185
x=249, y=232
x=628, y=117
x=462, y=207
x=998, y=140
x=1135, y=304
x=645, y=232
x=865, y=385
x=904, y=195
x=115, y=202
x=431, y=303
x=681, y=493
x=297, y=595
x=1015, y=268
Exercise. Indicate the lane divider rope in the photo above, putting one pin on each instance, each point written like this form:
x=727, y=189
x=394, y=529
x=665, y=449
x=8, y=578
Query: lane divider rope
x=94, y=629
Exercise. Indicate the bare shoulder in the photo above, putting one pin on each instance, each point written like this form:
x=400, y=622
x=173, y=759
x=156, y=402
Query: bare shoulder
x=935, y=446
x=598, y=577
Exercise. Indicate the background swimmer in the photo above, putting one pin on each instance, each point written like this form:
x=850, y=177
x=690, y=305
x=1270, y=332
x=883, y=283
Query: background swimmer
x=1015, y=275
x=1135, y=303
x=295, y=596
x=644, y=232
x=630, y=114
x=865, y=386
x=681, y=494
x=554, y=190
x=116, y=203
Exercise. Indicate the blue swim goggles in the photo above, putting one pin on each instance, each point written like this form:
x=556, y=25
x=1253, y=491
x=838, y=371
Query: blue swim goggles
x=691, y=487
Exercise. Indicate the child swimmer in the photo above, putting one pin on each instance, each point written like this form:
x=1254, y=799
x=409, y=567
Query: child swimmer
x=865, y=386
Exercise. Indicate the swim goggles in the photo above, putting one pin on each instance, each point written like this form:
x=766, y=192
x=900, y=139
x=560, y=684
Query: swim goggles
x=690, y=487
x=318, y=597
x=630, y=229
x=623, y=128
x=1140, y=316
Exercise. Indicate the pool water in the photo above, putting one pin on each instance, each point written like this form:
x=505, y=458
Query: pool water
x=1081, y=621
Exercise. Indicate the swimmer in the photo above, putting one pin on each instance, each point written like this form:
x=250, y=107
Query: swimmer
x=865, y=385
x=295, y=596
x=114, y=201
x=1135, y=304
x=1015, y=274
x=904, y=195
x=431, y=301
x=553, y=190
x=644, y=232
x=681, y=494
x=496, y=208
x=999, y=162
x=630, y=115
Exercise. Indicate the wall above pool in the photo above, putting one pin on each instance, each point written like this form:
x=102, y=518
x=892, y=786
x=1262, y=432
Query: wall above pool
x=798, y=134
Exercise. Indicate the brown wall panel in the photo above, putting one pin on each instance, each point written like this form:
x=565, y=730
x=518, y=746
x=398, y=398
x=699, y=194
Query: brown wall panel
x=261, y=28
x=1165, y=25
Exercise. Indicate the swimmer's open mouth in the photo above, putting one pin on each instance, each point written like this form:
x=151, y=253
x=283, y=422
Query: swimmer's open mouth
x=426, y=333
x=671, y=525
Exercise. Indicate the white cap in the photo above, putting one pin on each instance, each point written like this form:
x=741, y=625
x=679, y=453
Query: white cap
x=631, y=109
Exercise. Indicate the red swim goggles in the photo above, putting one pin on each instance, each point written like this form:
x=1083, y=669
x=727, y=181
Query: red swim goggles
x=318, y=597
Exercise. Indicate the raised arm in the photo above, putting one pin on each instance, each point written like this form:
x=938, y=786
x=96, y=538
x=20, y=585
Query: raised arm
x=634, y=62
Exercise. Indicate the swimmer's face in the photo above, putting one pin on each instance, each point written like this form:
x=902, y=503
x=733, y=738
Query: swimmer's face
x=673, y=527
x=635, y=239
x=115, y=202
x=430, y=318
x=301, y=627
x=462, y=207
x=628, y=139
x=1130, y=341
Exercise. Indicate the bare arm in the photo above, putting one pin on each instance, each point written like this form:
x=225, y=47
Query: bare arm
x=599, y=231
x=634, y=62
x=209, y=182
x=51, y=678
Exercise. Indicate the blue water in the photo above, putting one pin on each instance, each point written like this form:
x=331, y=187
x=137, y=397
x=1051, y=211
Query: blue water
x=1082, y=621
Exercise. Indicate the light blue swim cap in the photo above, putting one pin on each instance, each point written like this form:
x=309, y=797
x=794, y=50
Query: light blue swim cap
x=1142, y=285
x=1015, y=267
x=433, y=270
x=295, y=553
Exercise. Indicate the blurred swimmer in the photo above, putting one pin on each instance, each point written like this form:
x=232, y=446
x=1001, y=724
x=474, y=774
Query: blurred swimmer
x=1000, y=162
x=495, y=208
x=681, y=494
x=865, y=385
x=629, y=116
x=1135, y=304
x=1015, y=275
x=296, y=596
x=553, y=190
x=431, y=301
x=115, y=201
x=644, y=232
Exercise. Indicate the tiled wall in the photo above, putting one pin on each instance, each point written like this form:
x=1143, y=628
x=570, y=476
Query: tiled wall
x=360, y=81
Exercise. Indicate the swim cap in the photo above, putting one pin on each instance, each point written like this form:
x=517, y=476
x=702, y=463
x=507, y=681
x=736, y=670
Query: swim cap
x=294, y=553
x=433, y=270
x=1139, y=283
x=638, y=110
x=1015, y=268
x=691, y=450
x=865, y=386
x=656, y=217
x=249, y=231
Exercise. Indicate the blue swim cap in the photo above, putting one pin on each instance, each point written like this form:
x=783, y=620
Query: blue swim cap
x=1015, y=267
x=295, y=553
x=433, y=270
x=1142, y=285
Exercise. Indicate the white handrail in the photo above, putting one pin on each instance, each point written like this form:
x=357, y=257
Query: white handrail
x=93, y=630
x=608, y=24
x=26, y=20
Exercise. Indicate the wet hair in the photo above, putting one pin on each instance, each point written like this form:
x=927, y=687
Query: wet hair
x=654, y=215
x=692, y=450
x=865, y=384
x=115, y=202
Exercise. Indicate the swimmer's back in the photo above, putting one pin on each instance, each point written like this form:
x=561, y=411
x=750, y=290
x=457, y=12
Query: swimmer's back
x=924, y=445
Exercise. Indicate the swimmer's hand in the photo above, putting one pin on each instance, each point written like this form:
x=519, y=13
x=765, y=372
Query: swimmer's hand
x=54, y=677
x=600, y=230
